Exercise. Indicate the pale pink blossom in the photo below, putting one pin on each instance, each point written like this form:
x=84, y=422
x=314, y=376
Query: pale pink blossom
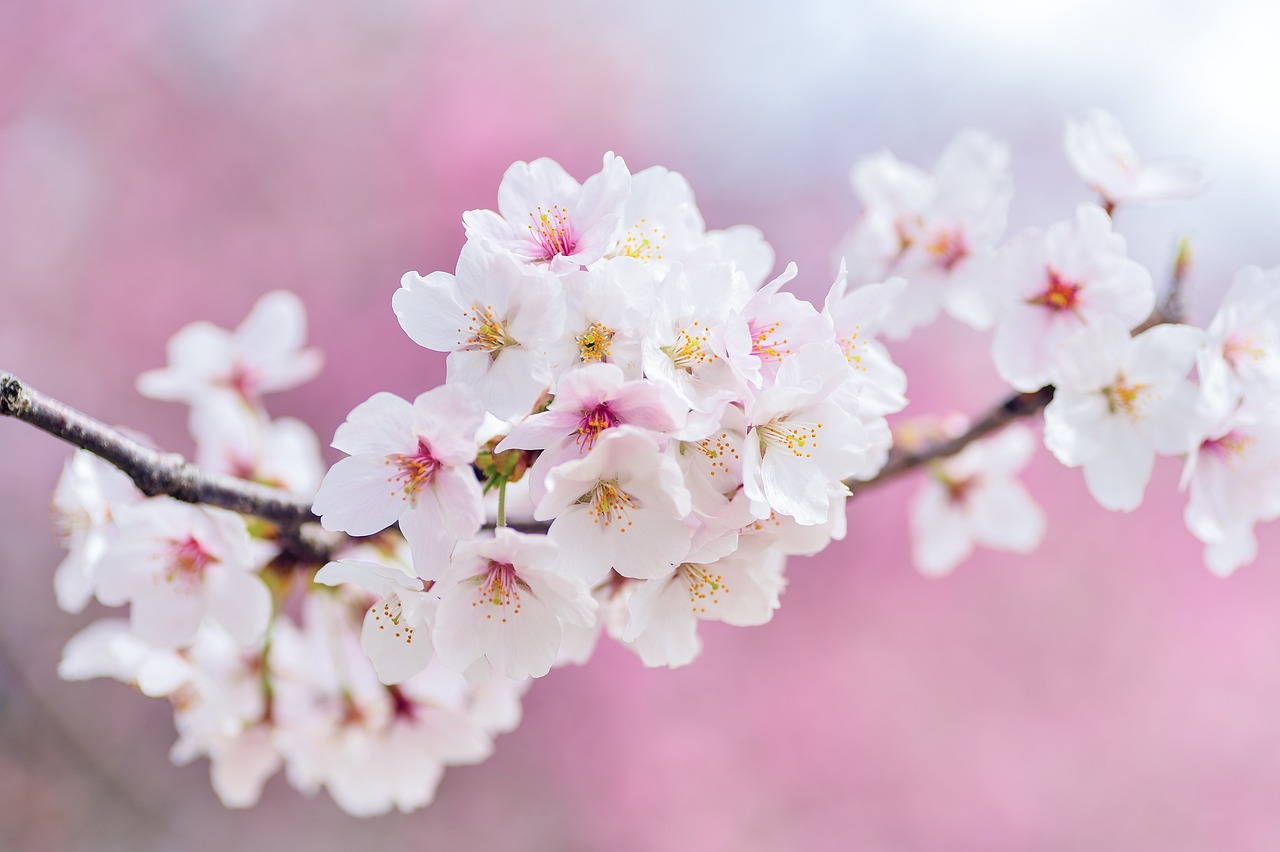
x=396, y=632
x=975, y=498
x=177, y=565
x=618, y=508
x=1241, y=356
x=1119, y=401
x=266, y=353
x=85, y=499
x=546, y=217
x=1061, y=281
x=937, y=231
x=409, y=463
x=1104, y=159
x=503, y=599
x=496, y=320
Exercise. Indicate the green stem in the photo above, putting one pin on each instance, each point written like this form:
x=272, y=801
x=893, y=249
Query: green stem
x=502, y=503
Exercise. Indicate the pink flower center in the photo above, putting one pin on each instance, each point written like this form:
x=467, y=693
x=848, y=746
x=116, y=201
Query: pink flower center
x=947, y=249
x=594, y=421
x=553, y=232
x=1061, y=294
x=500, y=588
x=1239, y=348
x=186, y=563
x=1231, y=447
x=412, y=472
x=765, y=344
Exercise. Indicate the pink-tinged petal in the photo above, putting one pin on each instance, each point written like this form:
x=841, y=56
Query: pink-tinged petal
x=1026, y=344
x=1090, y=359
x=940, y=537
x=1004, y=517
x=239, y=769
x=448, y=417
x=381, y=425
x=240, y=602
x=1171, y=427
x=196, y=354
x=488, y=225
x=430, y=312
x=398, y=651
x=568, y=598
x=519, y=644
x=650, y=544
x=1118, y=475
x=539, y=431
x=446, y=511
x=164, y=618
x=1008, y=452
x=359, y=497
x=1239, y=546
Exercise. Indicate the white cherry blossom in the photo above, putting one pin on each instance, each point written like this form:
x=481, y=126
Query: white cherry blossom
x=1105, y=159
x=409, y=463
x=546, y=217
x=1060, y=281
x=1241, y=356
x=975, y=498
x=1119, y=401
x=85, y=498
x=496, y=320
x=177, y=565
x=618, y=508
x=502, y=599
x=396, y=633
x=263, y=355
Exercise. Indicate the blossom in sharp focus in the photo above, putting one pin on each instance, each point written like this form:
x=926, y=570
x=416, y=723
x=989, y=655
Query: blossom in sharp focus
x=546, y=217
x=1119, y=401
x=975, y=498
x=620, y=508
x=1058, y=282
x=1104, y=159
x=266, y=353
x=799, y=439
x=495, y=318
x=591, y=401
x=396, y=632
x=408, y=462
x=502, y=599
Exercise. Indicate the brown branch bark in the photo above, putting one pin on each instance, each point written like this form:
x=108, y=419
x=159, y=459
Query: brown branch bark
x=156, y=473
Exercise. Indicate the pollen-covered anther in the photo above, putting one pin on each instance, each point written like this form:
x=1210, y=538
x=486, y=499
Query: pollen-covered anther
x=642, y=242
x=800, y=439
x=1125, y=398
x=553, y=231
x=610, y=505
x=718, y=450
x=485, y=331
x=704, y=585
x=499, y=587
x=595, y=343
x=690, y=348
x=594, y=421
x=1060, y=294
x=765, y=346
x=412, y=472
x=1239, y=348
x=186, y=562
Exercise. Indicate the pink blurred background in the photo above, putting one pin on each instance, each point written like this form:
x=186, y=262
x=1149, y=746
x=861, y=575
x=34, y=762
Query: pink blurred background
x=168, y=160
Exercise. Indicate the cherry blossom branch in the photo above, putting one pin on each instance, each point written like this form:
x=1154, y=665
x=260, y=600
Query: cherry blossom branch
x=156, y=473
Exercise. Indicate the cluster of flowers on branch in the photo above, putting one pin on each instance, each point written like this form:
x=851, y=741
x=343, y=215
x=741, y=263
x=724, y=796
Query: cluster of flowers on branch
x=638, y=427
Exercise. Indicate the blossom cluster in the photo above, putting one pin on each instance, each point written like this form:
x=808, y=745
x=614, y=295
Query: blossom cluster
x=264, y=670
x=1070, y=309
x=638, y=427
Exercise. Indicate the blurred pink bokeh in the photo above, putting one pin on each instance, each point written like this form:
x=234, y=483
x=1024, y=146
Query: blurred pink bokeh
x=162, y=162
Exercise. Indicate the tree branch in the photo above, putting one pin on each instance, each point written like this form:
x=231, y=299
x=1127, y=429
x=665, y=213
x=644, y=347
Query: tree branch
x=156, y=473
